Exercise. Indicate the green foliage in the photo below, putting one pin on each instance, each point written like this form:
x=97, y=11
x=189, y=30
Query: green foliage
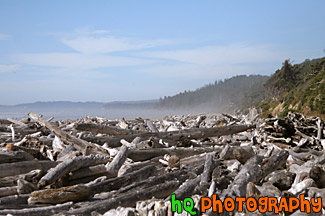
x=301, y=86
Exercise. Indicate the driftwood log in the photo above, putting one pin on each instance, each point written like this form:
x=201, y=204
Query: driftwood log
x=69, y=139
x=65, y=167
x=60, y=195
x=17, y=168
x=47, y=210
x=195, y=133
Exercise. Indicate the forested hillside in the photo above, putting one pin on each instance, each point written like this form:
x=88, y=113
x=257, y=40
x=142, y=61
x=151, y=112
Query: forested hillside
x=299, y=87
x=222, y=96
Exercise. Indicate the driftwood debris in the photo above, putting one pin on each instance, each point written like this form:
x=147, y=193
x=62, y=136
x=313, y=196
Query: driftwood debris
x=69, y=139
x=97, y=166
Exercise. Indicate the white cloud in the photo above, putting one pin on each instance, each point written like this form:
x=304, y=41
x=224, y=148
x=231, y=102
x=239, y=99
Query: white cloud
x=216, y=55
x=91, y=43
x=8, y=68
x=77, y=60
x=3, y=36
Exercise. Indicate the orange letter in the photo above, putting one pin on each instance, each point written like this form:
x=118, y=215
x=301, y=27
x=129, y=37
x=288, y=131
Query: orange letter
x=240, y=201
x=291, y=206
x=204, y=207
x=216, y=203
x=251, y=204
x=283, y=204
x=317, y=206
x=273, y=204
x=303, y=203
x=262, y=202
x=229, y=204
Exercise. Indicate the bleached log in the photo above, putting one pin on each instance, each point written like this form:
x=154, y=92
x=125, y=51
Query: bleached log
x=180, y=175
x=254, y=170
x=180, y=135
x=129, y=199
x=12, y=133
x=186, y=189
x=61, y=195
x=151, y=126
x=68, y=166
x=122, y=181
x=242, y=154
x=297, y=188
x=9, y=181
x=212, y=188
x=17, y=122
x=14, y=200
x=48, y=210
x=8, y=191
x=181, y=152
x=208, y=167
x=87, y=171
x=14, y=156
x=102, y=129
x=25, y=187
x=69, y=139
x=319, y=128
x=17, y=168
x=114, y=166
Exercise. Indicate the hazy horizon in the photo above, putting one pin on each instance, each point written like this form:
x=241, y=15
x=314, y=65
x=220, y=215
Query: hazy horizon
x=138, y=50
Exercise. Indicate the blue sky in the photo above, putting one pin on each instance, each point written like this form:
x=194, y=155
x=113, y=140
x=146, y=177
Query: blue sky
x=137, y=50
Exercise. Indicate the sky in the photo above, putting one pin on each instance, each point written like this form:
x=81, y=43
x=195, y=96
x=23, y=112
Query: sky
x=103, y=50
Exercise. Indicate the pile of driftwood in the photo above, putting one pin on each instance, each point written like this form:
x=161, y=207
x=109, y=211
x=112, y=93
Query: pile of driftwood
x=96, y=166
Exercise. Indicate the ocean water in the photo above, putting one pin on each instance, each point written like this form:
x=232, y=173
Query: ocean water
x=60, y=114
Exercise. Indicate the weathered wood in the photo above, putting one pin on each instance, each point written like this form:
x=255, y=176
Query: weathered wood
x=65, y=137
x=48, y=210
x=61, y=195
x=14, y=200
x=181, y=152
x=19, y=130
x=114, y=166
x=180, y=175
x=5, y=122
x=109, y=130
x=25, y=187
x=318, y=175
x=17, y=122
x=14, y=156
x=17, y=168
x=187, y=134
x=129, y=199
x=65, y=167
x=242, y=154
x=208, y=167
x=298, y=188
x=254, y=170
x=87, y=171
x=151, y=126
x=31, y=176
x=282, y=179
x=186, y=189
x=118, y=182
x=8, y=191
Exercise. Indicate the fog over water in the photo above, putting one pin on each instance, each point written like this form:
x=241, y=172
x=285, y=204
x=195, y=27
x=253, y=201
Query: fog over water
x=110, y=113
